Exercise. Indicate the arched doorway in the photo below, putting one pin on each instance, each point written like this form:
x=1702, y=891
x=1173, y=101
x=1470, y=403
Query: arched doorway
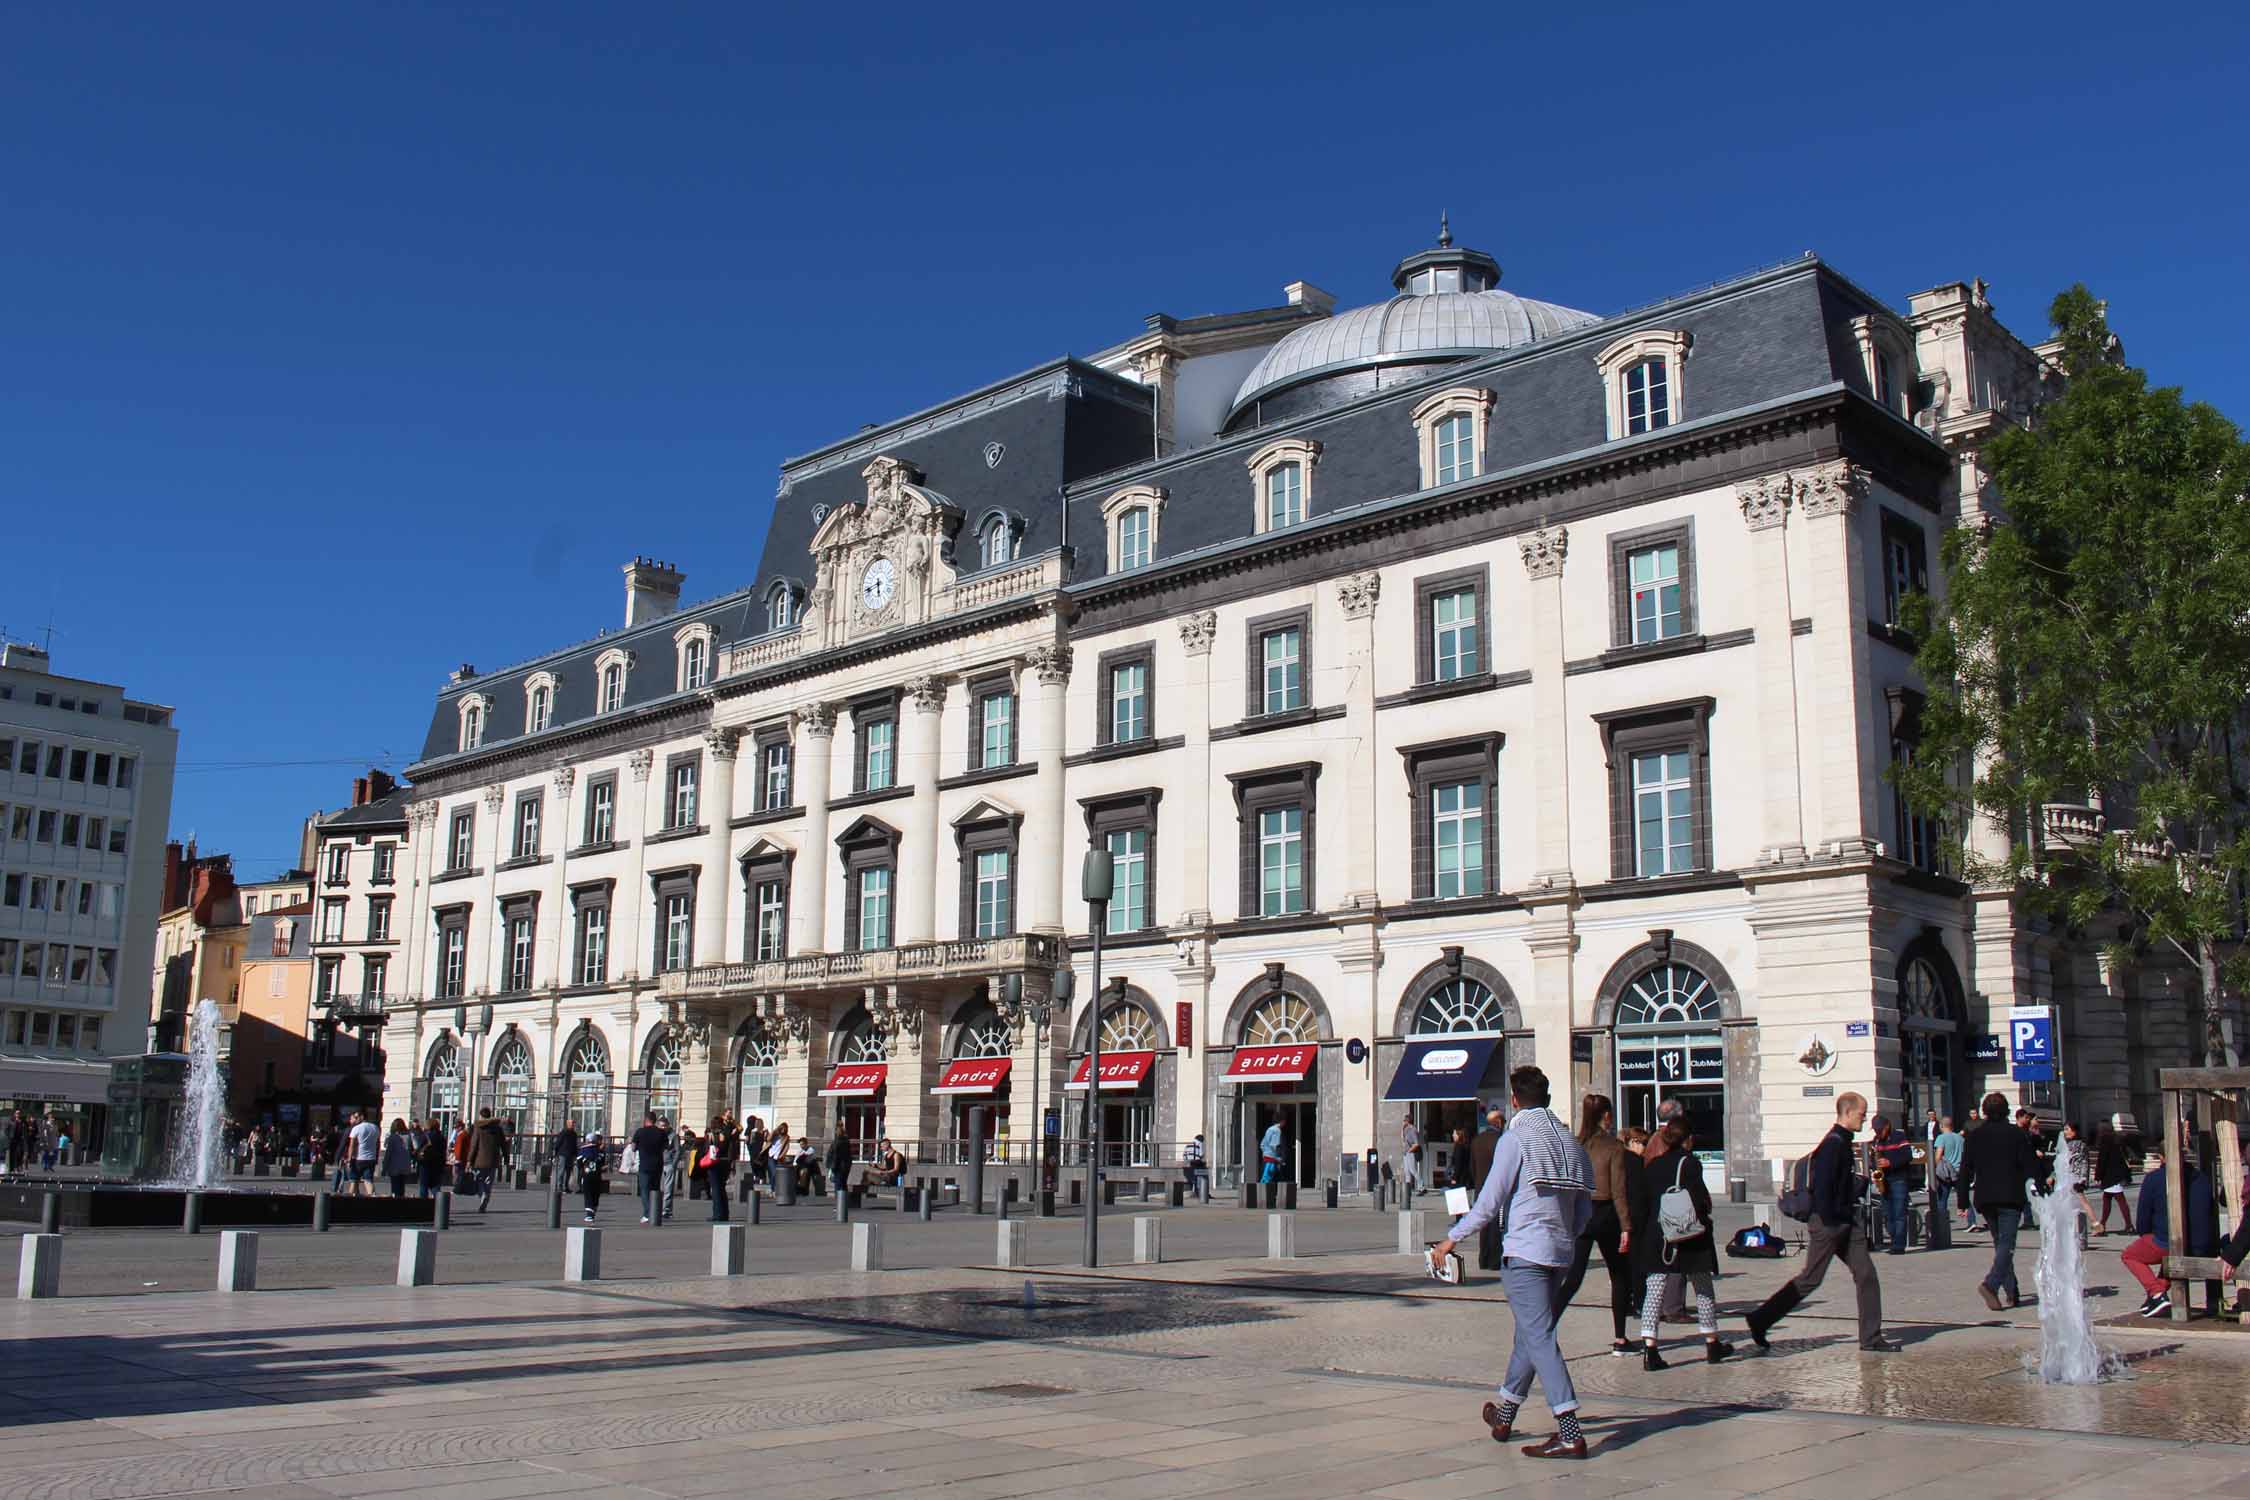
x=441, y=1083
x=1930, y=1033
x=1133, y=1085
x=1453, y=1026
x=1667, y=1005
x=1282, y=1095
x=512, y=1084
x=859, y=1082
x=665, y=1065
x=977, y=1036
x=757, y=1065
x=586, y=1077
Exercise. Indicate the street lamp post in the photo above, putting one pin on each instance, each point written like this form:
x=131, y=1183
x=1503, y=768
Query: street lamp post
x=1096, y=886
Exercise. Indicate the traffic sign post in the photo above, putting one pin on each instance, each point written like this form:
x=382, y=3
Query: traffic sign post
x=2031, y=1042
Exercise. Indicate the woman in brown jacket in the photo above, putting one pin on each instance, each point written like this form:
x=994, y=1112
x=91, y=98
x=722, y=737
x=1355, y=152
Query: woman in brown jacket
x=1611, y=1228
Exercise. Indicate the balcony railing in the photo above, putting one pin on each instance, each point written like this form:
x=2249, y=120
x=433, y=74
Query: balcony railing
x=2074, y=828
x=354, y=1007
x=973, y=958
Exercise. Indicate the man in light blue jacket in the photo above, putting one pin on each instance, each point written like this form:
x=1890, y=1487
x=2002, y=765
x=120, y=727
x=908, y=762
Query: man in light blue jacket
x=1541, y=1192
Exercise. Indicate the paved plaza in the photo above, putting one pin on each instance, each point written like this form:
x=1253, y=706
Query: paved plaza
x=1217, y=1373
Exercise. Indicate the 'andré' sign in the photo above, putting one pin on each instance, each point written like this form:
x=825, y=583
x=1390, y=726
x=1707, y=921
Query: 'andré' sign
x=1250, y=1061
x=975, y=1074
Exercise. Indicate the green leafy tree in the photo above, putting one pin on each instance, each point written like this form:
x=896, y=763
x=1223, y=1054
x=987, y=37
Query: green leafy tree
x=2094, y=645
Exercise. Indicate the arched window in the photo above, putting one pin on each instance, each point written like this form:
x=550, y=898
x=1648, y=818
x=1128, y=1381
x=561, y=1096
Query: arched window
x=1127, y=1028
x=756, y=1071
x=695, y=663
x=1643, y=380
x=996, y=543
x=1929, y=1046
x=540, y=710
x=1449, y=431
x=1281, y=476
x=1285, y=495
x=1132, y=538
x=1280, y=1018
x=781, y=607
x=666, y=1063
x=1668, y=995
x=613, y=687
x=1130, y=516
x=1670, y=1050
x=1460, y=1005
x=982, y=1034
x=587, y=1069
x=472, y=726
x=511, y=1084
x=445, y=1085
x=861, y=1042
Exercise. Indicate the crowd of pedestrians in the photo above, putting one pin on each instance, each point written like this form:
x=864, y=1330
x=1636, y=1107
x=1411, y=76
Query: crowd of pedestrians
x=36, y=1142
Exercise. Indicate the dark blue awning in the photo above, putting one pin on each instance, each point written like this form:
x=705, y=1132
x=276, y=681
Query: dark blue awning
x=1442, y=1068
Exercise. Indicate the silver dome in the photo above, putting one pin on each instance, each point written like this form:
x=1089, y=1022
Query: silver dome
x=1431, y=325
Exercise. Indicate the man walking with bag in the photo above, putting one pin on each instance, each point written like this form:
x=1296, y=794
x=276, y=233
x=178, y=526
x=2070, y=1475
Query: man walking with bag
x=1831, y=1235
x=1541, y=1191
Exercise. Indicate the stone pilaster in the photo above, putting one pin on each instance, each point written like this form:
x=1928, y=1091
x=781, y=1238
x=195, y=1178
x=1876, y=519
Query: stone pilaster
x=1765, y=510
x=485, y=976
x=918, y=861
x=812, y=765
x=1197, y=632
x=632, y=920
x=1046, y=871
x=1845, y=759
x=1358, y=596
x=1544, y=552
x=714, y=888
x=560, y=822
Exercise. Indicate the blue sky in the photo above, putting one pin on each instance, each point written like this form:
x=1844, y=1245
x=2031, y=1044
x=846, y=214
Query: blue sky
x=348, y=342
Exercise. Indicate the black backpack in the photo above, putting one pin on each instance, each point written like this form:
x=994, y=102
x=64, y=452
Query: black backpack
x=1796, y=1190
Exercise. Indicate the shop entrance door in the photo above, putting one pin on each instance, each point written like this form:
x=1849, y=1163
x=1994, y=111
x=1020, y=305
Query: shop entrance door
x=1299, y=1117
x=1688, y=1066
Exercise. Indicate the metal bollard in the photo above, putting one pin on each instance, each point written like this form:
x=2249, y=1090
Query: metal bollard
x=523, y=1178
x=757, y=1203
x=1176, y=1195
x=238, y=1260
x=905, y=1200
x=417, y=1257
x=50, y=1213
x=1378, y=1195
x=1328, y=1193
x=1046, y=1203
x=445, y=1208
x=1249, y=1195
x=730, y=1249
x=554, y=1210
x=582, y=1254
x=788, y=1190
x=867, y=1247
x=1281, y=1236
x=1289, y=1196
x=1014, y=1249
x=321, y=1211
x=1148, y=1240
x=39, y=1272
x=1203, y=1187
x=1410, y=1231
x=928, y=1202
x=191, y=1214
x=843, y=1207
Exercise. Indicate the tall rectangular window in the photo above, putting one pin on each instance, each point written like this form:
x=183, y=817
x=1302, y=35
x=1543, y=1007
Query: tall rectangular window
x=601, y=811
x=1655, y=597
x=679, y=930
x=461, y=849
x=1457, y=839
x=528, y=814
x=874, y=908
x=520, y=932
x=1133, y=538
x=1281, y=861
x=331, y=921
x=453, y=961
x=593, y=944
x=386, y=861
x=78, y=766
x=1648, y=396
x=679, y=799
x=772, y=898
x=378, y=975
x=774, y=777
x=1456, y=448
x=993, y=911
x=331, y=981
x=1285, y=495
x=125, y=770
x=1663, y=813
x=1128, y=702
x=1281, y=654
x=378, y=919
x=1905, y=568
x=878, y=756
x=1128, y=865
x=101, y=768
x=1453, y=635
x=996, y=729
x=339, y=863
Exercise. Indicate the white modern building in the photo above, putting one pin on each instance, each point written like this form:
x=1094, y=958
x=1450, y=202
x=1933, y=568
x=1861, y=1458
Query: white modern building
x=85, y=796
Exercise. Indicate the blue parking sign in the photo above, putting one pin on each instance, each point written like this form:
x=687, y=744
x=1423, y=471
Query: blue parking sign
x=2031, y=1042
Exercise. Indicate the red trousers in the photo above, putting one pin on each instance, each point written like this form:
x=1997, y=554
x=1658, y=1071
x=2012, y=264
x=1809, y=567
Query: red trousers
x=2144, y=1259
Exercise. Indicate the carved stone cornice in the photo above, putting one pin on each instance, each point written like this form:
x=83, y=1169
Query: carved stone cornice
x=1544, y=550
x=816, y=719
x=1050, y=663
x=927, y=694
x=422, y=815
x=721, y=744
x=1358, y=594
x=641, y=762
x=1832, y=489
x=1198, y=630
x=565, y=778
x=495, y=797
x=1765, y=501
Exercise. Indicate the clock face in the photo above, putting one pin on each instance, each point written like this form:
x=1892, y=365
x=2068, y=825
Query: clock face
x=878, y=583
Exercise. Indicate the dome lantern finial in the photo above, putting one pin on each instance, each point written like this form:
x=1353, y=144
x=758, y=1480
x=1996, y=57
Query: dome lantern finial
x=1444, y=231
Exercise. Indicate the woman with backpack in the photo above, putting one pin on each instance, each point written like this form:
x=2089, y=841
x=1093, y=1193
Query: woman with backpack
x=1671, y=1217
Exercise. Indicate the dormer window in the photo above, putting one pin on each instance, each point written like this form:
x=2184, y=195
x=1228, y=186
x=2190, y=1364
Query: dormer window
x=996, y=542
x=1450, y=432
x=693, y=642
x=1131, y=516
x=476, y=715
x=538, y=702
x=1281, y=474
x=609, y=673
x=1888, y=356
x=781, y=607
x=1642, y=381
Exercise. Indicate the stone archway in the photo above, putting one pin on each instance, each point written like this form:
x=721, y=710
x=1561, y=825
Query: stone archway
x=1669, y=1025
x=1276, y=995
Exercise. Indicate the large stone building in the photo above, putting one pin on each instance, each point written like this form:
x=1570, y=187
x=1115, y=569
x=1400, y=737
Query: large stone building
x=1457, y=674
x=85, y=794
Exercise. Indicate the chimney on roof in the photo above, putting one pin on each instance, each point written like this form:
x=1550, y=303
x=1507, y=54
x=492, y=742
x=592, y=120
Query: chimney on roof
x=24, y=655
x=652, y=590
x=463, y=673
x=380, y=784
x=1305, y=294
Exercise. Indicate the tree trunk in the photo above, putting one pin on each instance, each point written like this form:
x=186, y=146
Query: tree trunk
x=2218, y=1029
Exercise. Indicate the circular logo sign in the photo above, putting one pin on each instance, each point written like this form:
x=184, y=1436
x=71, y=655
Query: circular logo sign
x=1355, y=1051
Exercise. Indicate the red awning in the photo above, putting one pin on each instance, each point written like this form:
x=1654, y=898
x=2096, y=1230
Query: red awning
x=856, y=1081
x=1120, y=1070
x=974, y=1075
x=1284, y=1064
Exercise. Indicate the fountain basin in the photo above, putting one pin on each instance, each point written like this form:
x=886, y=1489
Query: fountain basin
x=143, y=1206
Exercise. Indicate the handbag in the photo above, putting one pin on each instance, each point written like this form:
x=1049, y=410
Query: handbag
x=630, y=1160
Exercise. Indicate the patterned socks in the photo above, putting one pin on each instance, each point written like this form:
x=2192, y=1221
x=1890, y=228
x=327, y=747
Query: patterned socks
x=1571, y=1432
x=1507, y=1410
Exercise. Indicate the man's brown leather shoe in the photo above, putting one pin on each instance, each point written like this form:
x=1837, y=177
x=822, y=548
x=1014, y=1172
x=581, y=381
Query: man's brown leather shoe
x=1555, y=1447
x=1500, y=1429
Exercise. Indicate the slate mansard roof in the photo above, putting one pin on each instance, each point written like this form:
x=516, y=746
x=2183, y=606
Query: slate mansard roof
x=1046, y=447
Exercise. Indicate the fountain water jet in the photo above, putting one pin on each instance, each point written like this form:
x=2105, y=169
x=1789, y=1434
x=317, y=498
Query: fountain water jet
x=198, y=1144
x=2068, y=1354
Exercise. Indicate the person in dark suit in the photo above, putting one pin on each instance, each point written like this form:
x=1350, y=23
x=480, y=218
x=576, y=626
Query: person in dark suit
x=1481, y=1148
x=1832, y=1234
x=1999, y=1164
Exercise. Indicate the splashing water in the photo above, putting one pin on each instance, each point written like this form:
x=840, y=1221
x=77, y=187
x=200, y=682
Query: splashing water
x=2068, y=1354
x=197, y=1143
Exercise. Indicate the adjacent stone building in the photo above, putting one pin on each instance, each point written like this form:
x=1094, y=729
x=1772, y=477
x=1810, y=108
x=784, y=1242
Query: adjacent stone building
x=1463, y=676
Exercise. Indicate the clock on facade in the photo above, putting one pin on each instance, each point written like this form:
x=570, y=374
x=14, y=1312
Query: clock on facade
x=878, y=583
